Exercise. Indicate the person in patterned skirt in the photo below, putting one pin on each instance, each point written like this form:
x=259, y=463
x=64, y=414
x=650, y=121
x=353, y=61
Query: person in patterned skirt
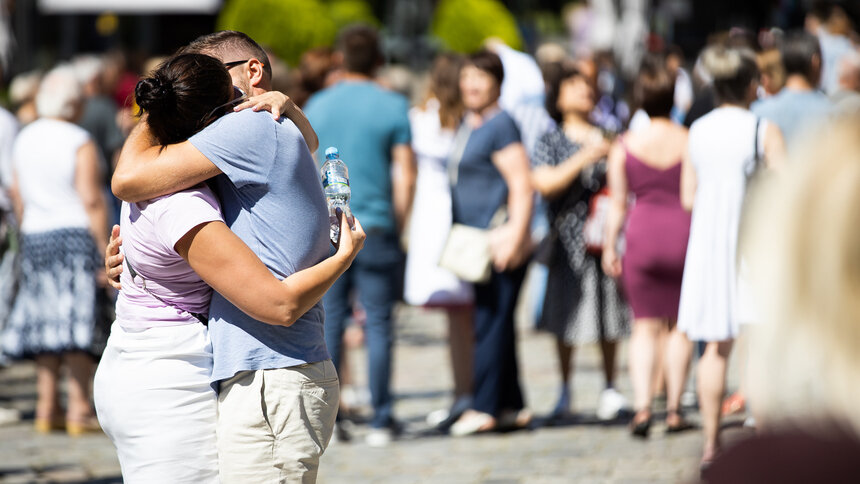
x=582, y=305
x=59, y=201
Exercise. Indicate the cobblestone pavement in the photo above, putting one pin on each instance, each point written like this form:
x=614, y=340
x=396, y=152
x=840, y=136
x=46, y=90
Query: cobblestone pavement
x=582, y=450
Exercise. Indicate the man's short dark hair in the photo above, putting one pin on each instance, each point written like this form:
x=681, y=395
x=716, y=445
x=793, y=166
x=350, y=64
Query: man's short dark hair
x=359, y=45
x=797, y=50
x=488, y=62
x=217, y=44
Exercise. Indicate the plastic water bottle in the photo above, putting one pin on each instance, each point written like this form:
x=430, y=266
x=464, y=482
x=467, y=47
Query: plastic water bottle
x=335, y=181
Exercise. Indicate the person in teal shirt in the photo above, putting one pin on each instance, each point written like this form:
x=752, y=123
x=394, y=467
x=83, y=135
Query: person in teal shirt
x=370, y=127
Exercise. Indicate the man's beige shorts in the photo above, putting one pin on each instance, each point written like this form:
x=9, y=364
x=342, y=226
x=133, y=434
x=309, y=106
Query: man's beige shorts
x=273, y=425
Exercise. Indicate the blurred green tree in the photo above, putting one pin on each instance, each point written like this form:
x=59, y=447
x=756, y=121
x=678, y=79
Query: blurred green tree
x=463, y=25
x=290, y=27
x=346, y=12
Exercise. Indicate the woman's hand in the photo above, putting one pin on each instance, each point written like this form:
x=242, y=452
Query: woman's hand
x=611, y=263
x=352, y=238
x=508, y=248
x=275, y=102
x=596, y=150
x=279, y=104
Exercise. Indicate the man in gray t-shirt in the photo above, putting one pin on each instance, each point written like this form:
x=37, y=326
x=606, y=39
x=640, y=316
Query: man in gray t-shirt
x=799, y=105
x=277, y=386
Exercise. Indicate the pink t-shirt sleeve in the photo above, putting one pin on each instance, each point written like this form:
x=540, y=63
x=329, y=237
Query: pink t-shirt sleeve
x=182, y=211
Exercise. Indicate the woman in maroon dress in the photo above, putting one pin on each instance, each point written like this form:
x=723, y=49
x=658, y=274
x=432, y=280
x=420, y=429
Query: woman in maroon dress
x=647, y=165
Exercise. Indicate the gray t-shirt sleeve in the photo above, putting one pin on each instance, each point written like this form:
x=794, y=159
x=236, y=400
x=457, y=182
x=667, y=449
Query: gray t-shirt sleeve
x=506, y=132
x=242, y=145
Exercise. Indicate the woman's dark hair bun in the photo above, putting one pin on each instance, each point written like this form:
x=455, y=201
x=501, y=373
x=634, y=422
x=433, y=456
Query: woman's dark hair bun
x=178, y=95
x=151, y=92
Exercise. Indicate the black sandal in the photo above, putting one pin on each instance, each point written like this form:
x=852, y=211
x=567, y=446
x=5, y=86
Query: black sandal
x=642, y=428
x=682, y=424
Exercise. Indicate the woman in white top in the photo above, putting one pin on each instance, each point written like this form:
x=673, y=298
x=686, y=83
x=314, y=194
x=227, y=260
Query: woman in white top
x=426, y=284
x=725, y=147
x=58, y=198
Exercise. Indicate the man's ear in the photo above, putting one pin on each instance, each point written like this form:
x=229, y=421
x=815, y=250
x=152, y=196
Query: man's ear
x=256, y=73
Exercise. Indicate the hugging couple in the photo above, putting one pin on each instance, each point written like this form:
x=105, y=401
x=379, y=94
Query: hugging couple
x=230, y=201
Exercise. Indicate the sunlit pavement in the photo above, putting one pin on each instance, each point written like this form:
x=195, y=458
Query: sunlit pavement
x=578, y=450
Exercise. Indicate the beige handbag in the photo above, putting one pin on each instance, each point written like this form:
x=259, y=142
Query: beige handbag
x=467, y=253
x=467, y=249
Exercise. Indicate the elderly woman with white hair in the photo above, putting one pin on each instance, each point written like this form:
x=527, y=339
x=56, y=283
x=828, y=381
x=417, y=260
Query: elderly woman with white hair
x=59, y=201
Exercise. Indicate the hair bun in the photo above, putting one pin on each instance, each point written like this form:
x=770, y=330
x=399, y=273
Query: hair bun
x=725, y=62
x=152, y=92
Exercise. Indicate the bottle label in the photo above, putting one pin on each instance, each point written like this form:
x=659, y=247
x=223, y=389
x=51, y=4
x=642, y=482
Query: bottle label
x=334, y=179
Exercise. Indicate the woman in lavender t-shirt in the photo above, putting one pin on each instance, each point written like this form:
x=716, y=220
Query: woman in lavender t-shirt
x=152, y=390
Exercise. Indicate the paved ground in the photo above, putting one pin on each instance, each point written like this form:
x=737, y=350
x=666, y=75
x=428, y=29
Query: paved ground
x=581, y=450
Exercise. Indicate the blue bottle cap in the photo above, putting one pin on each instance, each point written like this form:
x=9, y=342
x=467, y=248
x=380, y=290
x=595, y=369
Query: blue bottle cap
x=331, y=153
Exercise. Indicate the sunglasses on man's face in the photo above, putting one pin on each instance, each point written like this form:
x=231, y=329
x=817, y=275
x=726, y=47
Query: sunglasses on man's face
x=238, y=97
x=230, y=65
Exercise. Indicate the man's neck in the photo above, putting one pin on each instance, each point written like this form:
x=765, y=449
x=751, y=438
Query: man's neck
x=355, y=77
x=796, y=82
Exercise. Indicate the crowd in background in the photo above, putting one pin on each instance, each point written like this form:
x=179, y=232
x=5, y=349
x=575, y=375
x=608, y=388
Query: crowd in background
x=627, y=199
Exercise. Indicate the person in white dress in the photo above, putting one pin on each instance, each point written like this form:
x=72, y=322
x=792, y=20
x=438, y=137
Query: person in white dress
x=426, y=284
x=725, y=148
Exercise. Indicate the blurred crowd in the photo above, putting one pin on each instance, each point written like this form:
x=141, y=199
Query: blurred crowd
x=686, y=208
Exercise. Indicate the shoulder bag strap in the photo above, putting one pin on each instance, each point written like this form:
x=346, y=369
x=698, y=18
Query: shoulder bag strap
x=757, y=155
x=134, y=274
x=461, y=139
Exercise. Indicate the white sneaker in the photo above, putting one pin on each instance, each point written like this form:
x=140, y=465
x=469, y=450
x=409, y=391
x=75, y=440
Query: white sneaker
x=379, y=437
x=610, y=404
x=9, y=416
x=436, y=417
x=689, y=399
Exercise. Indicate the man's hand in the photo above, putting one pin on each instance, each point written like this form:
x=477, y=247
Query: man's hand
x=113, y=258
x=352, y=238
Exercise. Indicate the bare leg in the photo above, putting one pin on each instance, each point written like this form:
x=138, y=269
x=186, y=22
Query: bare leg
x=461, y=341
x=643, y=358
x=343, y=373
x=712, y=385
x=608, y=349
x=47, y=374
x=80, y=384
x=679, y=351
x=659, y=384
x=565, y=355
x=743, y=360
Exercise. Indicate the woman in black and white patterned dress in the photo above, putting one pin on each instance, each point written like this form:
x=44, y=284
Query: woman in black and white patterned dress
x=582, y=305
x=63, y=232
